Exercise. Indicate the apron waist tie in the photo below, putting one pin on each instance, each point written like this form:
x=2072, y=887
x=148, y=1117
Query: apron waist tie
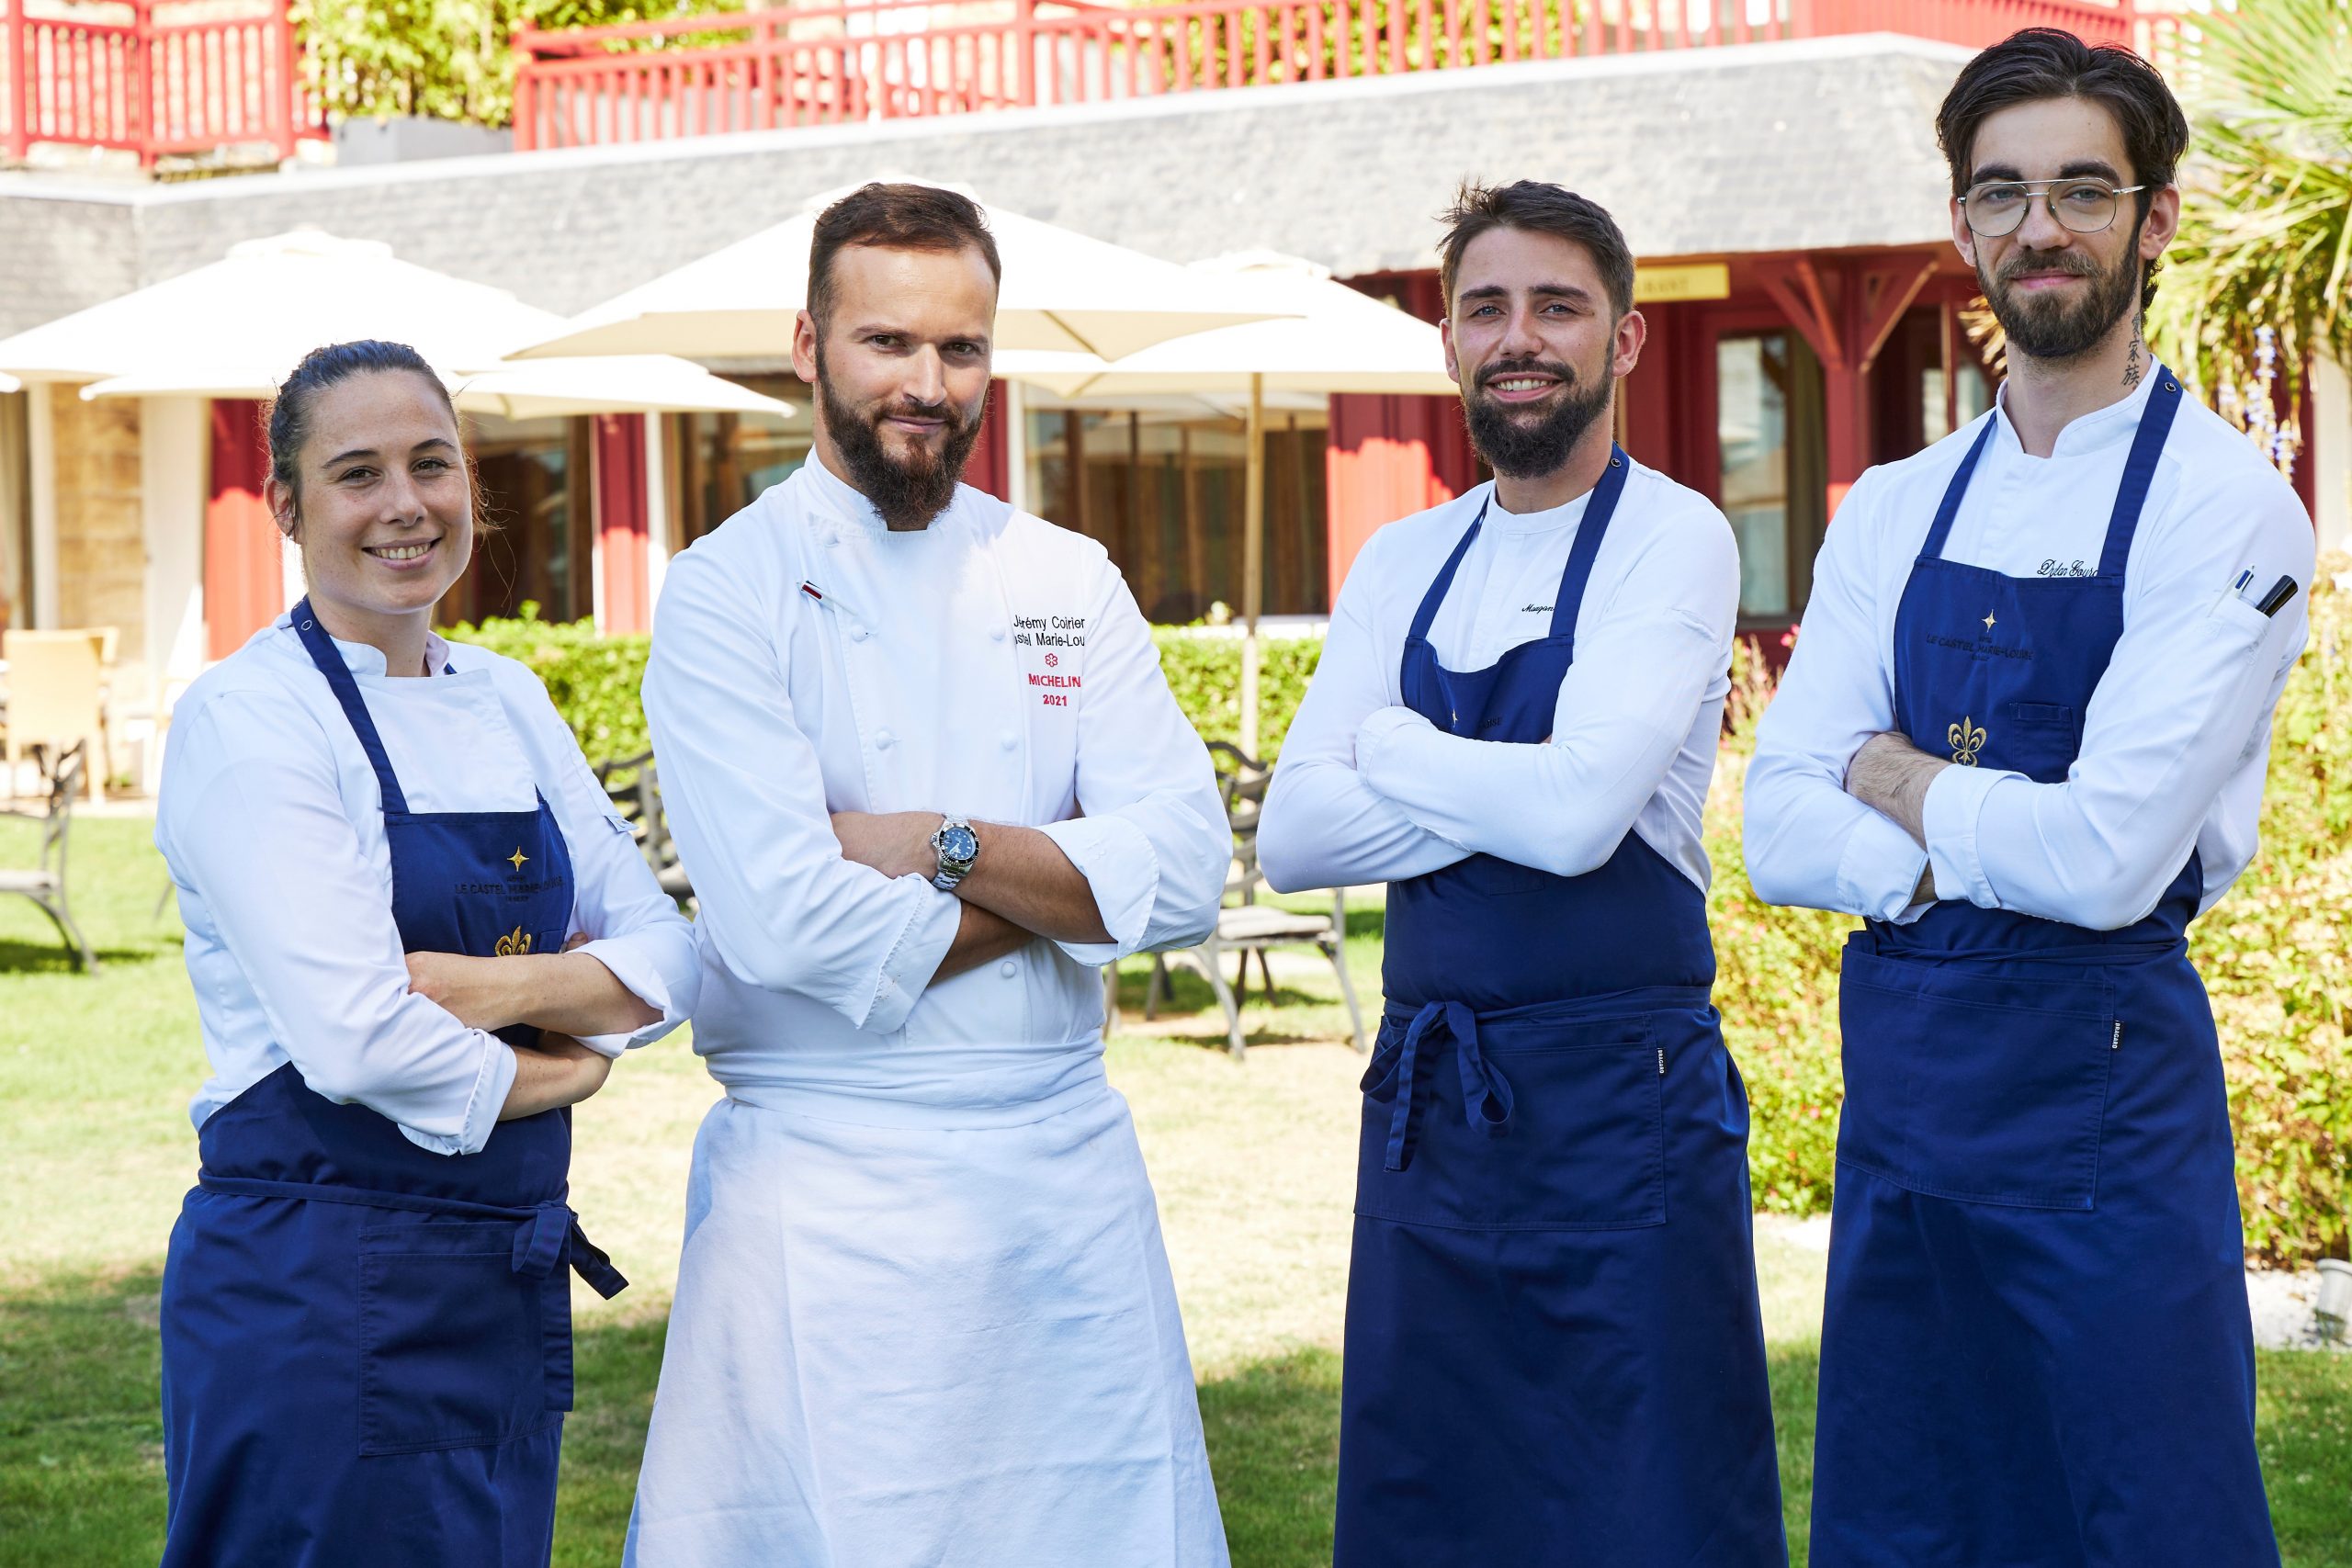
x=1393, y=1074
x=546, y=1234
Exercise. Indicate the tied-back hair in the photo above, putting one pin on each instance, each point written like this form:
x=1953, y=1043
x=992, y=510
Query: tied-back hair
x=1543, y=209
x=289, y=412
x=895, y=218
x=2040, y=63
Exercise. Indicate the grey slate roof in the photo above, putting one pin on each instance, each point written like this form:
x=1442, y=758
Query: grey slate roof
x=1813, y=145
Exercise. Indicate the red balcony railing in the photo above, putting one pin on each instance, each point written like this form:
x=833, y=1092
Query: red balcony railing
x=150, y=77
x=828, y=64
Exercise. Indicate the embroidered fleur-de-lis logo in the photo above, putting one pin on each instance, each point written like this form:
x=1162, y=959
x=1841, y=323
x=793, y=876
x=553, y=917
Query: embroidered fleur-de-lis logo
x=1966, y=739
x=514, y=942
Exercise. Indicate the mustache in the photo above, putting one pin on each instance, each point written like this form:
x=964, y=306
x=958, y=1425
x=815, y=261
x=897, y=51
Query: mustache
x=1552, y=368
x=2069, y=264
x=908, y=408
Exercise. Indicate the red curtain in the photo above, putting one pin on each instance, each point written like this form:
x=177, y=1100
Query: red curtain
x=621, y=522
x=243, y=590
x=988, y=467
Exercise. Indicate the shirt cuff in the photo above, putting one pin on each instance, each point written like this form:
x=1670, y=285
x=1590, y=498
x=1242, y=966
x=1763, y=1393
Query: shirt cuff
x=921, y=949
x=1379, y=727
x=1955, y=802
x=489, y=1097
x=643, y=978
x=1880, y=870
x=1122, y=870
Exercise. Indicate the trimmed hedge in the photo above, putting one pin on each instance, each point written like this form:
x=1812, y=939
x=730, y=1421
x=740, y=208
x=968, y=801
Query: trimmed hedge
x=2273, y=954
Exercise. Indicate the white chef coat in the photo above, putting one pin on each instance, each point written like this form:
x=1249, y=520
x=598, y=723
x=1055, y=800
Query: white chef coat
x=923, y=1312
x=271, y=820
x=1369, y=791
x=2176, y=740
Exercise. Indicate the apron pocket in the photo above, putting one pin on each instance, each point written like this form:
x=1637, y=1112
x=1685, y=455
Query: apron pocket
x=1986, y=1086
x=1584, y=1147
x=452, y=1340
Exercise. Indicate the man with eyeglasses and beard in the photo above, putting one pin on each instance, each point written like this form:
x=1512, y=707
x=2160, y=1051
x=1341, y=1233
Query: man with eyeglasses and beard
x=1553, y=1353
x=2025, y=733
x=926, y=777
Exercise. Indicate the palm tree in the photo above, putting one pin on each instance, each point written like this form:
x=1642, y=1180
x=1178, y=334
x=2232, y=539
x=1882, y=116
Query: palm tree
x=2265, y=239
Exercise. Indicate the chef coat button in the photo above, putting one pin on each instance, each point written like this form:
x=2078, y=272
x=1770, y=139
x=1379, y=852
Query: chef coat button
x=857, y=634
x=997, y=633
x=1008, y=740
x=884, y=739
x=1008, y=968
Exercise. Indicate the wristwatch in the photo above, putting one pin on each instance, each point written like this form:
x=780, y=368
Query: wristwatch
x=958, y=847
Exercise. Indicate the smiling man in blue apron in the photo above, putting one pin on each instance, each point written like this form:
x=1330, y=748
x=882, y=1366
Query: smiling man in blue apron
x=2025, y=733
x=1553, y=1353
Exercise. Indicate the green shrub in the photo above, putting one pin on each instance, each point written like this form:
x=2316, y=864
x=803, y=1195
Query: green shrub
x=1205, y=671
x=593, y=680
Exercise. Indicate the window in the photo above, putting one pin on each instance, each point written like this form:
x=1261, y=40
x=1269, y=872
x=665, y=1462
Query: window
x=1769, y=444
x=722, y=462
x=534, y=476
x=1163, y=489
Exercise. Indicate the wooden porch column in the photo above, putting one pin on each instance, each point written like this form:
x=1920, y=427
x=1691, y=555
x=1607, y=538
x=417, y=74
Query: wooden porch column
x=1846, y=307
x=621, y=525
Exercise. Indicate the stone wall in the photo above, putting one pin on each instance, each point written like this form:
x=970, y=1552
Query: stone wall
x=101, y=544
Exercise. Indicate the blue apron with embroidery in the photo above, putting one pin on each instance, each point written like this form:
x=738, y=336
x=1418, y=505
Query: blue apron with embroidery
x=368, y=1345
x=2036, y=1348
x=1553, y=1353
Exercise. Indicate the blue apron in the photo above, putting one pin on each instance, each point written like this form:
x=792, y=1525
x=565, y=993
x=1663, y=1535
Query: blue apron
x=366, y=1346
x=1553, y=1353
x=2036, y=1348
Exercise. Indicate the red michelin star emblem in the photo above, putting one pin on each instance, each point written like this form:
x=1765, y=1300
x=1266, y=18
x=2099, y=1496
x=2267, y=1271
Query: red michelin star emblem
x=1052, y=660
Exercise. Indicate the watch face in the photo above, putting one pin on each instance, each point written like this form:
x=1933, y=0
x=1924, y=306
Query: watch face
x=958, y=843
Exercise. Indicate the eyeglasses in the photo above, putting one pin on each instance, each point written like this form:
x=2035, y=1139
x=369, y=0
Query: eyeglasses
x=1995, y=207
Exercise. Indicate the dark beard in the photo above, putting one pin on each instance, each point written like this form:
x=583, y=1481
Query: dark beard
x=908, y=494
x=2051, y=329
x=1522, y=451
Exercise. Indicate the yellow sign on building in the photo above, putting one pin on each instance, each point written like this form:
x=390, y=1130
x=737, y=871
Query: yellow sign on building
x=1689, y=280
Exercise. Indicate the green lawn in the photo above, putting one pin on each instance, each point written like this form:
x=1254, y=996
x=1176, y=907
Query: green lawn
x=1251, y=1163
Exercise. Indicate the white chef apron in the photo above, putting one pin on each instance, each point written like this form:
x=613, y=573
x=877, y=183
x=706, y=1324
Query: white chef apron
x=947, y=1340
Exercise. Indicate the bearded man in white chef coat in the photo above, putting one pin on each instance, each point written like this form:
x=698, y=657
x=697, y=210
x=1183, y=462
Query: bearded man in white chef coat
x=926, y=777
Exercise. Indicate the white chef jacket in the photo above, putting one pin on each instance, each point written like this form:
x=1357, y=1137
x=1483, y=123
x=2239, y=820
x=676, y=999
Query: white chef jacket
x=923, y=1310
x=271, y=820
x=2176, y=740
x=990, y=665
x=1369, y=791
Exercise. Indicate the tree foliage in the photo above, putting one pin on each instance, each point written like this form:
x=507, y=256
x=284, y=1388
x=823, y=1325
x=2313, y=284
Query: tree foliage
x=2266, y=234
x=443, y=59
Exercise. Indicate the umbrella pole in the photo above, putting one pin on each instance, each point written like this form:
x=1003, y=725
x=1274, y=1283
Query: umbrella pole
x=1253, y=556
x=1015, y=409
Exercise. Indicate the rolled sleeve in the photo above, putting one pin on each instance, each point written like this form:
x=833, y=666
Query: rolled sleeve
x=1122, y=871
x=650, y=982
x=916, y=956
x=1953, y=811
x=1148, y=833
x=1879, y=870
x=492, y=1086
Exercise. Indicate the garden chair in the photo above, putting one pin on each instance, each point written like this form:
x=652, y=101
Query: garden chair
x=1244, y=926
x=56, y=682
x=638, y=800
x=45, y=883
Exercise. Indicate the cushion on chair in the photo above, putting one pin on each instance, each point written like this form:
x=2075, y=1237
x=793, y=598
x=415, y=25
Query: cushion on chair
x=1264, y=922
x=28, y=882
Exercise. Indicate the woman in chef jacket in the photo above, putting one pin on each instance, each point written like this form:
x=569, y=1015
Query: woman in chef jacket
x=417, y=937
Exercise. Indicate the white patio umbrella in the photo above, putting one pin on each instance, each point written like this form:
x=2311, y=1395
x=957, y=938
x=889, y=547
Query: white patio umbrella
x=1062, y=291
x=10, y=384
x=1332, y=339
x=539, y=389
x=237, y=326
